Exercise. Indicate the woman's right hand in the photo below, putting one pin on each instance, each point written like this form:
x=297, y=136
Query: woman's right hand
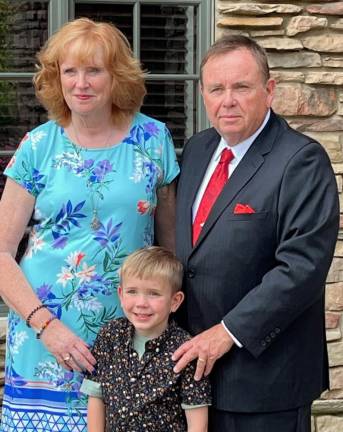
x=70, y=351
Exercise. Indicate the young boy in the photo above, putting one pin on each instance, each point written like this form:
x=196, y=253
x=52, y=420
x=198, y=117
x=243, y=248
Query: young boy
x=134, y=388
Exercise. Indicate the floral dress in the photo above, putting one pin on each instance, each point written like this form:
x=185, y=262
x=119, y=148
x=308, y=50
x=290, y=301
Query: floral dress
x=93, y=207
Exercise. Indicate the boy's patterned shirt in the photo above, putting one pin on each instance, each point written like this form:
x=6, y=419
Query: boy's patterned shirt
x=145, y=394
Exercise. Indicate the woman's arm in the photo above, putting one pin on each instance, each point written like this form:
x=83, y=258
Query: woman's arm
x=165, y=216
x=197, y=419
x=96, y=415
x=16, y=208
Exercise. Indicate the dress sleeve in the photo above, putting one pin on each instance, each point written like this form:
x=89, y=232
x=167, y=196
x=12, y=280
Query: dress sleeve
x=194, y=392
x=169, y=162
x=23, y=169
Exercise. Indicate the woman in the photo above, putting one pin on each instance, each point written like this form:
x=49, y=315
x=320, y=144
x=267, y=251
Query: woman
x=99, y=178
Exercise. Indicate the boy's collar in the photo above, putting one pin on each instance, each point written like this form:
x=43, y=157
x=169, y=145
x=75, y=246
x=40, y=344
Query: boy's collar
x=151, y=344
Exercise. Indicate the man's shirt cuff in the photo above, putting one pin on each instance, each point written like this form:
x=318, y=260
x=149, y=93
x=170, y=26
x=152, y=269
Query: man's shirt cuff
x=236, y=341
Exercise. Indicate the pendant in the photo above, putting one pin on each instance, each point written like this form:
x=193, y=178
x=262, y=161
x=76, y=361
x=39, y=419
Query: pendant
x=95, y=224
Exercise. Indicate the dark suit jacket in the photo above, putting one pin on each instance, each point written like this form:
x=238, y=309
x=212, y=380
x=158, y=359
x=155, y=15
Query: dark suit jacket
x=263, y=273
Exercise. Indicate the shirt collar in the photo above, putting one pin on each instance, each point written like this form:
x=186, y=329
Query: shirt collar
x=151, y=344
x=241, y=148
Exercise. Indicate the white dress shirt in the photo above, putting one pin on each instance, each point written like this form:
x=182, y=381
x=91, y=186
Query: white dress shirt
x=238, y=151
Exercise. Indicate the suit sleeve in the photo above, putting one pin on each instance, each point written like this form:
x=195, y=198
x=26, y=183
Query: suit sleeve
x=307, y=223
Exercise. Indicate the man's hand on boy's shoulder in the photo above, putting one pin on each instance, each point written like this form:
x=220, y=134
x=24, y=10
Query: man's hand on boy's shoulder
x=207, y=347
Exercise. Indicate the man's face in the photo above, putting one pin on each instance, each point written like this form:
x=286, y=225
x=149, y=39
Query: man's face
x=235, y=95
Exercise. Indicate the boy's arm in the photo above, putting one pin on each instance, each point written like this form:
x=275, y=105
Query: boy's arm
x=96, y=415
x=197, y=419
x=195, y=398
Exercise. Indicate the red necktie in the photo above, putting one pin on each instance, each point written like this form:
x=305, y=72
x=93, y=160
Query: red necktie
x=213, y=189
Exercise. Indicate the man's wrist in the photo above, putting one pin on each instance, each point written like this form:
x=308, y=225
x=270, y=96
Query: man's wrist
x=236, y=341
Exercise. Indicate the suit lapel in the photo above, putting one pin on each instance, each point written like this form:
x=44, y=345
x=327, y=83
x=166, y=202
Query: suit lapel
x=193, y=179
x=246, y=169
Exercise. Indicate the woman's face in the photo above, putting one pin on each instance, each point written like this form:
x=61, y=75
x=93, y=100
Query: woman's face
x=86, y=87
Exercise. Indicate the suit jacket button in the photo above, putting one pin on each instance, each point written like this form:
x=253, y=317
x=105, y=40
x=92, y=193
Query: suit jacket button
x=272, y=334
x=268, y=339
x=277, y=330
x=191, y=274
x=263, y=343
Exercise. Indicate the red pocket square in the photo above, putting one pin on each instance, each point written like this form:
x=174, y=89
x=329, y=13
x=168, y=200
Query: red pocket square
x=243, y=208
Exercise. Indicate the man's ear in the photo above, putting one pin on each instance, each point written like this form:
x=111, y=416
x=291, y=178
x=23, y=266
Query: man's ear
x=270, y=87
x=177, y=299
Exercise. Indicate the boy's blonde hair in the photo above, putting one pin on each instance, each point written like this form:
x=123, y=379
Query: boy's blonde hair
x=154, y=262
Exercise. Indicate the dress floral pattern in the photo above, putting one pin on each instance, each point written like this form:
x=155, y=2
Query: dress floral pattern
x=72, y=267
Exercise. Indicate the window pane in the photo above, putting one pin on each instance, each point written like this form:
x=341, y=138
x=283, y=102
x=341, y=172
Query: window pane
x=173, y=102
x=23, y=30
x=167, y=45
x=168, y=38
x=120, y=15
x=19, y=112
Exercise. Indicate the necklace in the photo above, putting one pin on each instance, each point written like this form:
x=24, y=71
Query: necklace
x=78, y=141
x=95, y=223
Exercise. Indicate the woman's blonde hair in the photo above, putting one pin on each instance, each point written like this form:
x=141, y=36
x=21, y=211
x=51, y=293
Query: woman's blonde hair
x=154, y=262
x=82, y=38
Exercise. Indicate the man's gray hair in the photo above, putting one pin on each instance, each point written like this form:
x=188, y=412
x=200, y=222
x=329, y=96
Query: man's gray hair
x=230, y=43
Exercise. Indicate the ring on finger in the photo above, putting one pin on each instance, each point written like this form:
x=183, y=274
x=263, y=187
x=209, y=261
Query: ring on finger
x=201, y=360
x=67, y=357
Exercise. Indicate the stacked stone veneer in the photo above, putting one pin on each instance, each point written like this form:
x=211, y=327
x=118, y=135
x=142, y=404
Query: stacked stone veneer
x=304, y=41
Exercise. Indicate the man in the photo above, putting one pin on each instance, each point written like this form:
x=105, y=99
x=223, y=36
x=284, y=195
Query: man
x=259, y=250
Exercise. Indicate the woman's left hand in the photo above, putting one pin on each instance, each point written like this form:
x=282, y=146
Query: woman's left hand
x=70, y=351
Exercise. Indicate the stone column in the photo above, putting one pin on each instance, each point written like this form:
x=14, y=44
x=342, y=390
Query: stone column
x=304, y=42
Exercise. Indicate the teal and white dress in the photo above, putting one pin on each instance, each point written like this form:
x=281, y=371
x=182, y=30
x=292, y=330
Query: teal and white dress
x=71, y=265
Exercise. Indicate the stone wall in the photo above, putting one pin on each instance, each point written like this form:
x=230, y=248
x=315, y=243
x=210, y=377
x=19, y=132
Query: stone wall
x=304, y=41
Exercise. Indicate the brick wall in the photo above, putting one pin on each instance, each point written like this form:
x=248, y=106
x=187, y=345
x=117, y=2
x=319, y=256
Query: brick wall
x=304, y=41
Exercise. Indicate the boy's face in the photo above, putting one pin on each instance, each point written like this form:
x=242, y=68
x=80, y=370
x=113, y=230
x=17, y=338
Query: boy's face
x=147, y=304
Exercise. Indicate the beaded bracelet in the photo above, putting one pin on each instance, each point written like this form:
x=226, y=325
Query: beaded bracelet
x=44, y=326
x=36, y=309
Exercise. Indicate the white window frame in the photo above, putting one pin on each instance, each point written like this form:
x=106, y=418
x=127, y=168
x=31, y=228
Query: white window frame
x=61, y=11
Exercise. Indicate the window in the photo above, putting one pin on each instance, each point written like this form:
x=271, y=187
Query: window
x=169, y=37
x=23, y=29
